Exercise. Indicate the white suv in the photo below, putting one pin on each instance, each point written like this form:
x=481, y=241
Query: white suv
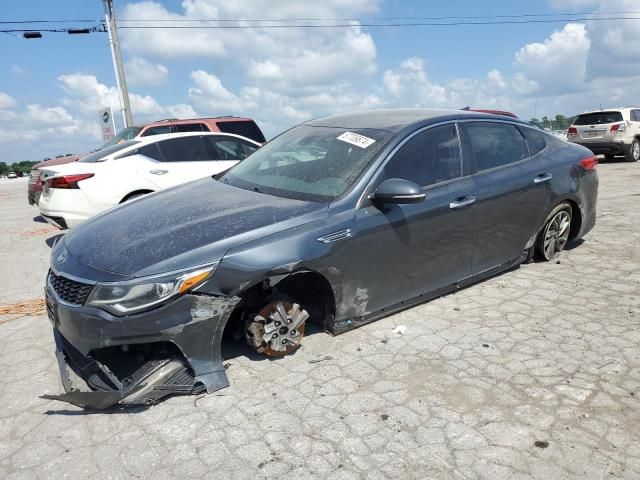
x=610, y=132
x=76, y=191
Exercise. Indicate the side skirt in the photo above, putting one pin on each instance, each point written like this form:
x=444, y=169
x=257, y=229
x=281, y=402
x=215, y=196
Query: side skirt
x=350, y=324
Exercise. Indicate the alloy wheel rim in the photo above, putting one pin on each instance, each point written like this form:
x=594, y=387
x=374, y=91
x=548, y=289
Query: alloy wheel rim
x=636, y=150
x=556, y=234
x=277, y=329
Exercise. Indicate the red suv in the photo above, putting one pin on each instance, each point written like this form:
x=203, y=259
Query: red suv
x=245, y=127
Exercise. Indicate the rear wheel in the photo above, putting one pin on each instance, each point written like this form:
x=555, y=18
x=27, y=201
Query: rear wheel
x=277, y=329
x=555, y=233
x=633, y=155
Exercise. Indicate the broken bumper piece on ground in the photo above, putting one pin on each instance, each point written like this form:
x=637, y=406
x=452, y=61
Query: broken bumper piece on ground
x=138, y=360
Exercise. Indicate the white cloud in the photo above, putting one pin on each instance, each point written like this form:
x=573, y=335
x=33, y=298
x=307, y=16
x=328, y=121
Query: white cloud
x=6, y=101
x=564, y=51
x=142, y=72
x=287, y=59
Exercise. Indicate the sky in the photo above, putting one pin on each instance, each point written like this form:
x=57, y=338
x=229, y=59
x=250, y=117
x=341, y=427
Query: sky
x=52, y=88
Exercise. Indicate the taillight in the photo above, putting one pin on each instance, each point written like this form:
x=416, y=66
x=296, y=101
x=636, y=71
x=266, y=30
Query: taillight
x=68, y=181
x=572, y=131
x=618, y=128
x=589, y=163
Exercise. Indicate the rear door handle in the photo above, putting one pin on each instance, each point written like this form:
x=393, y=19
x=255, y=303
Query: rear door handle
x=462, y=202
x=158, y=172
x=542, y=178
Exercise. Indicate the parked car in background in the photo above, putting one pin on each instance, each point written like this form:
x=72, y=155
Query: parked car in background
x=614, y=131
x=244, y=127
x=103, y=179
x=34, y=187
x=338, y=221
x=12, y=175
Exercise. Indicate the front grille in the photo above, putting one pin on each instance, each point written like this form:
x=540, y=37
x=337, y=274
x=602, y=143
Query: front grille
x=69, y=290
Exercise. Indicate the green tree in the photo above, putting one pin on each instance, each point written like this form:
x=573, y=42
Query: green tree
x=561, y=122
x=4, y=168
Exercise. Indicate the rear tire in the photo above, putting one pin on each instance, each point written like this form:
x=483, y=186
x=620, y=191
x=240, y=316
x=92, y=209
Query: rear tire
x=633, y=154
x=555, y=233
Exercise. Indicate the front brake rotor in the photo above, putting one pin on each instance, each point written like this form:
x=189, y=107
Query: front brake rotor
x=277, y=329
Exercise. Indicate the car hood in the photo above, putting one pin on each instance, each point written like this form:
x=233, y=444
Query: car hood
x=185, y=226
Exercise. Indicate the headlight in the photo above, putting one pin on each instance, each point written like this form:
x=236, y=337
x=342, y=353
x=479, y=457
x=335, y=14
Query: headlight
x=124, y=298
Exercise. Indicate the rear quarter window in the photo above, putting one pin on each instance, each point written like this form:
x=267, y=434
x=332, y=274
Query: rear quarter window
x=245, y=128
x=535, y=139
x=597, y=118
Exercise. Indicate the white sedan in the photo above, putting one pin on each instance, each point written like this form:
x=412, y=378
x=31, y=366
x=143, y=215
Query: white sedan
x=76, y=191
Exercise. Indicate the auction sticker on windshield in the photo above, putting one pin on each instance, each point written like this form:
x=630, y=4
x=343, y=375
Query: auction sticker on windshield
x=356, y=139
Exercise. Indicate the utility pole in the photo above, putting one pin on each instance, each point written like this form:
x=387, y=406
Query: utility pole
x=110, y=18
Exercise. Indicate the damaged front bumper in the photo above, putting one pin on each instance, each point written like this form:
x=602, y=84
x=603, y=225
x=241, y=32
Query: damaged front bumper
x=142, y=358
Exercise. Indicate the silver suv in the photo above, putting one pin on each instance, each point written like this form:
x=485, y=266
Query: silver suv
x=610, y=132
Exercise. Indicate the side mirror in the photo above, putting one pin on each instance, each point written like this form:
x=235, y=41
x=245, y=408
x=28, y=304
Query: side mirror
x=398, y=191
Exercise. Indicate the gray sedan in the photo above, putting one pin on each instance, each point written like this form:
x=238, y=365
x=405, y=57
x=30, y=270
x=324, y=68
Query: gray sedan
x=338, y=221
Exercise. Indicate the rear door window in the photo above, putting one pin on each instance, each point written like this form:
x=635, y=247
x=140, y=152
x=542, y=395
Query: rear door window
x=245, y=128
x=598, y=118
x=495, y=144
x=157, y=130
x=185, y=149
x=430, y=157
x=151, y=151
x=230, y=149
x=190, y=127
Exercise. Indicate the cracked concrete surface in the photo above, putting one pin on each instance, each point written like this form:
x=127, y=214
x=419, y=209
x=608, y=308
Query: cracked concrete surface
x=532, y=374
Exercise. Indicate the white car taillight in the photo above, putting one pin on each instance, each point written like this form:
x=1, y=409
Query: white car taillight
x=618, y=128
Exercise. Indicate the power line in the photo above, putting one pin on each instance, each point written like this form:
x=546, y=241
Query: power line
x=374, y=25
x=547, y=16
x=101, y=27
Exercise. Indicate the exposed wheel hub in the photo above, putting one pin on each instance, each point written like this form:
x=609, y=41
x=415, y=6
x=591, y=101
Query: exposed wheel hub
x=277, y=329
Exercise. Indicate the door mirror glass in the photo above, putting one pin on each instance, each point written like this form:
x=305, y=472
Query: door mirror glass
x=398, y=191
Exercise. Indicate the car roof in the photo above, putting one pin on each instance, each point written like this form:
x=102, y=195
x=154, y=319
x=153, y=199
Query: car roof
x=395, y=120
x=615, y=109
x=176, y=121
x=164, y=136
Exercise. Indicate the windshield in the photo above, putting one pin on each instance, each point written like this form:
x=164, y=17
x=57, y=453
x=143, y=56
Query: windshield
x=98, y=156
x=123, y=135
x=309, y=163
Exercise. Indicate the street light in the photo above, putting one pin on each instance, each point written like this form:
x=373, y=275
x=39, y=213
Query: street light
x=29, y=35
x=73, y=31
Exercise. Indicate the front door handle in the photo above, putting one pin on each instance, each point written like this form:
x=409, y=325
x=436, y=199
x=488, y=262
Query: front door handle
x=462, y=202
x=542, y=178
x=158, y=172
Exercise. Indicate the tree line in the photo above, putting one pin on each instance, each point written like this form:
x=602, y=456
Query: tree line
x=17, y=167
x=560, y=122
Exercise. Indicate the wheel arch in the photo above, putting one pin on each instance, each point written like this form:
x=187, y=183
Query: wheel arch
x=135, y=192
x=306, y=286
